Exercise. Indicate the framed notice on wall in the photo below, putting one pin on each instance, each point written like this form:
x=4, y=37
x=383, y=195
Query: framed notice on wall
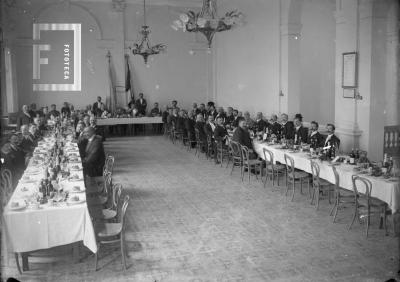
x=349, y=70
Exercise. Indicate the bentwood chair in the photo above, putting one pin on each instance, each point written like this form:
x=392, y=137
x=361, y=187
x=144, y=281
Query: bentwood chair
x=111, y=212
x=101, y=198
x=210, y=147
x=319, y=185
x=107, y=169
x=111, y=233
x=365, y=205
x=221, y=151
x=250, y=163
x=237, y=159
x=341, y=197
x=200, y=145
x=293, y=176
x=272, y=170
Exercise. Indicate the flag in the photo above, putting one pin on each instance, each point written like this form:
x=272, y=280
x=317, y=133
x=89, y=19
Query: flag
x=128, y=85
x=112, y=98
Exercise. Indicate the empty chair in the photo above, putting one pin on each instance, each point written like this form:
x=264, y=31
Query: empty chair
x=102, y=197
x=271, y=169
x=111, y=233
x=236, y=153
x=365, y=205
x=293, y=176
x=112, y=211
x=250, y=163
x=221, y=151
x=200, y=144
x=319, y=185
x=210, y=147
x=341, y=196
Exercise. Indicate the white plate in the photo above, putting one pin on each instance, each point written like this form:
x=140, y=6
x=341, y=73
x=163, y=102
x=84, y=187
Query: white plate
x=80, y=201
x=21, y=206
x=76, y=189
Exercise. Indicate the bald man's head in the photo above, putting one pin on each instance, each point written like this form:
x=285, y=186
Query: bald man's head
x=89, y=132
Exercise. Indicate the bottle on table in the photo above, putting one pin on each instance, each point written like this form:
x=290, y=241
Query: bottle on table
x=352, y=156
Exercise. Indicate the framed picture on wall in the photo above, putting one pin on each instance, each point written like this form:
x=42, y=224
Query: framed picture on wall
x=349, y=92
x=349, y=70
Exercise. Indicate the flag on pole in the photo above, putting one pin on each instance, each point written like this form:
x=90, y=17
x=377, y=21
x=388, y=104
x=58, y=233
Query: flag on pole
x=112, y=98
x=128, y=84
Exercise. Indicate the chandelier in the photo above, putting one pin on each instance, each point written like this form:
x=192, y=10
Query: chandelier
x=207, y=21
x=143, y=46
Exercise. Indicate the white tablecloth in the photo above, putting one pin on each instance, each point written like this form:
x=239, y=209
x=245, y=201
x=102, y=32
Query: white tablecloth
x=33, y=229
x=138, y=120
x=382, y=189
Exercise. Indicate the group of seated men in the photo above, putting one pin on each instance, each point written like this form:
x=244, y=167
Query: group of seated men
x=31, y=124
x=213, y=124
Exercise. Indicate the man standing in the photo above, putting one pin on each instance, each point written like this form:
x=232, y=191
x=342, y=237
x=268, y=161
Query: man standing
x=94, y=156
x=141, y=105
x=96, y=106
x=24, y=118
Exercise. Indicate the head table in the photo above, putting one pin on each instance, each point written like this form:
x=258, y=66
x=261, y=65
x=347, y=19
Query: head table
x=386, y=190
x=29, y=225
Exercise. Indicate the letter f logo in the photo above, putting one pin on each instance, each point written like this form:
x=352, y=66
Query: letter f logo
x=37, y=60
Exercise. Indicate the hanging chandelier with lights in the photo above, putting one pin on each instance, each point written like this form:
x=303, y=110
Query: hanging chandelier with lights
x=207, y=21
x=143, y=46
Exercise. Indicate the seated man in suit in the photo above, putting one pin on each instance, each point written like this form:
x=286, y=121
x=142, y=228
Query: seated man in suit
x=236, y=118
x=14, y=157
x=210, y=127
x=260, y=124
x=242, y=136
x=274, y=126
x=141, y=105
x=199, y=126
x=24, y=117
x=229, y=117
x=331, y=139
x=300, y=132
x=250, y=122
x=189, y=127
x=28, y=143
x=65, y=110
x=94, y=156
x=53, y=111
x=287, y=127
x=98, y=129
x=221, y=113
x=315, y=139
x=220, y=132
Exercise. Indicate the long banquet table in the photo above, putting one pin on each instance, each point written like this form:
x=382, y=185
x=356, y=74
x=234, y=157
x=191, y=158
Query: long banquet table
x=30, y=227
x=136, y=120
x=385, y=190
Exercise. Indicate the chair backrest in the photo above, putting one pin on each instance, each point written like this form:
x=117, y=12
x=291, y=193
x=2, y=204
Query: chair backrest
x=245, y=153
x=6, y=186
x=107, y=183
x=116, y=195
x=110, y=163
x=235, y=149
x=123, y=211
x=289, y=161
x=197, y=134
x=336, y=174
x=315, y=173
x=361, y=182
x=269, y=158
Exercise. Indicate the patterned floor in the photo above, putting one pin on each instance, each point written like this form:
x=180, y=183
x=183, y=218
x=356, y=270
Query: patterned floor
x=190, y=221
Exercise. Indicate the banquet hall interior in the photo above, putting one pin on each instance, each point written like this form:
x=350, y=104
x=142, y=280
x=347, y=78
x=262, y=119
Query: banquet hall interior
x=200, y=140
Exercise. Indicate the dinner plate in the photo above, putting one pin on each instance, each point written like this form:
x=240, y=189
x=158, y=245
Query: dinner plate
x=75, y=179
x=19, y=205
x=76, y=189
x=72, y=201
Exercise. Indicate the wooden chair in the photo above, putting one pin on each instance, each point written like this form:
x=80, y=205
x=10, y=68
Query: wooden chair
x=112, y=211
x=237, y=159
x=250, y=163
x=293, y=176
x=221, y=151
x=365, y=205
x=272, y=169
x=319, y=185
x=341, y=197
x=101, y=198
x=200, y=145
x=111, y=233
x=210, y=147
x=6, y=186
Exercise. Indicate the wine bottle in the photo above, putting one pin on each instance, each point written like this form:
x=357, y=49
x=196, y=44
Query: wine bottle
x=352, y=156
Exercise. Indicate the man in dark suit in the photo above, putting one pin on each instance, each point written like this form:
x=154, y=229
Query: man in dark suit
x=53, y=111
x=315, y=139
x=96, y=106
x=99, y=130
x=199, y=126
x=300, y=132
x=229, y=117
x=141, y=105
x=242, y=136
x=236, y=118
x=221, y=113
x=24, y=117
x=220, y=132
x=274, y=127
x=65, y=110
x=28, y=142
x=209, y=127
x=189, y=127
x=260, y=124
x=14, y=157
x=287, y=127
x=94, y=156
x=331, y=139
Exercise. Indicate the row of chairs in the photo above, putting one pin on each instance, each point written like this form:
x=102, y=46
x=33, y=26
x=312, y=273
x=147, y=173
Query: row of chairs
x=365, y=206
x=108, y=214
